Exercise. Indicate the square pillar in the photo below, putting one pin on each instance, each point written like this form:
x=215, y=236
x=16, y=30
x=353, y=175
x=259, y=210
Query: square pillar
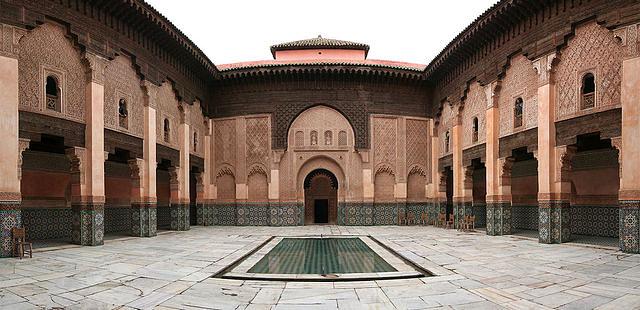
x=87, y=164
x=10, y=197
x=629, y=144
x=499, y=205
x=143, y=212
x=178, y=208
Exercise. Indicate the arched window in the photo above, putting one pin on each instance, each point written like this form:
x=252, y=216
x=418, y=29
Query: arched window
x=588, y=91
x=167, y=130
x=299, y=138
x=328, y=137
x=517, y=113
x=195, y=141
x=474, y=138
x=314, y=137
x=123, y=113
x=52, y=90
x=342, y=138
x=446, y=142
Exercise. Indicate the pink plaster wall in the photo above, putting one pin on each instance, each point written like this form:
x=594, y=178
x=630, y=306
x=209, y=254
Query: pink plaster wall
x=338, y=54
x=44, y=184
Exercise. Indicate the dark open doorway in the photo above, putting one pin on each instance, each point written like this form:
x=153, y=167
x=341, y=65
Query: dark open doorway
x=321, y=211
x=321, y=197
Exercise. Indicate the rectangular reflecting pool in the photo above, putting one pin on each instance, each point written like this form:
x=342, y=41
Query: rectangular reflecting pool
x=321, y=256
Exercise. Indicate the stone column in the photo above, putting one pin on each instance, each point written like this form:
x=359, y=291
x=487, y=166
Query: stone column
x=180, y=177
x=499, y=210
x=10, y=197
x=629, y=195
x=498, y=184
x=554, y=218
x=87, y=164
x=461, y=203
x=555, y=208
x=204, y=208
x=438, y=179
x=143, y=212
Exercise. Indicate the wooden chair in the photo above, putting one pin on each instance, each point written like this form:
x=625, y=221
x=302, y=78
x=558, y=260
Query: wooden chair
x=402, y=218
x=424, y=218
x=20, y=246
x=472, y=222
x=411, y=219
x=451, y=222
x=442, y=220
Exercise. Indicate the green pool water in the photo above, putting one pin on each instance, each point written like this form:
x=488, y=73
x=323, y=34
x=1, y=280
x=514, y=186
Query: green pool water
x=321, y=256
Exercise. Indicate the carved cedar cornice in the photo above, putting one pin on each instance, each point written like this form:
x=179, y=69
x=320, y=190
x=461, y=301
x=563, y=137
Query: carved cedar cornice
x=95, y=66
x=628, y=38
x=545, y=67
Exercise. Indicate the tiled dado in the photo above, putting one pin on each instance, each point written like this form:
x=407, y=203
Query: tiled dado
x=554, y=221
x=144, y=219
x=498, y=218
x=49, y=223
x=117, y=219
x=10, y=217
x=286, y=214
x=525, y=217
x=461, y=209
x=595, y=220
x=252, y=214
x=629, y=226
x=480, y=212
x=163, y=212
x=386, y=213
x=417, y=209
x=88, y=223
x=355, y=213
x=179, y=216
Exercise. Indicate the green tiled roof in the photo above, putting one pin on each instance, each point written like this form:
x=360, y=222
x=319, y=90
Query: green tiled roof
x=319, y=42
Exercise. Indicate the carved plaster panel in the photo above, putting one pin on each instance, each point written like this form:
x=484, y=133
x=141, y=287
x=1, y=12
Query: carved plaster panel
x=594, y=50
x=475, y=105
x=122, y=82
x=47, y=49
x=520, y=81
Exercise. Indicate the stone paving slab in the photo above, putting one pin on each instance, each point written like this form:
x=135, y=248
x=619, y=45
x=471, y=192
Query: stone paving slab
x=174, y=269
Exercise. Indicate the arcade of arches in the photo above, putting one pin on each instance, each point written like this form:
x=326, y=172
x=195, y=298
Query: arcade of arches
x=123, y=137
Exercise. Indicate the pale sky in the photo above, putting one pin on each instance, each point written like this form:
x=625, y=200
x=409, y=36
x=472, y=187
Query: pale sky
x=243, y=30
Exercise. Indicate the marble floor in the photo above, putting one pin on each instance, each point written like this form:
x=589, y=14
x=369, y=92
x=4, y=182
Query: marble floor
x=174, y=269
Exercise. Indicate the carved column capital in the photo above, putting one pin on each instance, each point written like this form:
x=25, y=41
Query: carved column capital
x=545, y=67
x=11, y=36
x=564, y=164
x=616, y=143
x=136, y=167
x=95, y=66
x=492, y=93
x=23, y=144
x=78, y=158
x=628, y=37
x=150, y=91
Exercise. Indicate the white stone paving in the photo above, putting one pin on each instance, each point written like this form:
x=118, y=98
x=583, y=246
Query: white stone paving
x=173, y=271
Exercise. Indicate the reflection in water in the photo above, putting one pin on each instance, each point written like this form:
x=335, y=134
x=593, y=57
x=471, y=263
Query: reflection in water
x=321, y=256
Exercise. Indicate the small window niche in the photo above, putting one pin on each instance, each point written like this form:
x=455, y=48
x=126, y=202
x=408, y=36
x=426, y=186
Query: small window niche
x=447, y=140
x=328, y=137
x=314, y=137
x=518, y=109
x=123, y=113
x=475, y=129
x=167, y=130
x=195, y=141
x=53, y=94
x=588, y=91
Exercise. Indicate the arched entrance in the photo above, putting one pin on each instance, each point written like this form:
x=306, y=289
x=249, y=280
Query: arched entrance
x=320, y=197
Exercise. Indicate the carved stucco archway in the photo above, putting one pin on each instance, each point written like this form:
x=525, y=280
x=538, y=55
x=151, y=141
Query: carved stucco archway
x=334, y=171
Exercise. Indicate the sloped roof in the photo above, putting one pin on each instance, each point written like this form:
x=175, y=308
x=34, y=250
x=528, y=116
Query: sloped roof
x=327, y=62
x=319, y=42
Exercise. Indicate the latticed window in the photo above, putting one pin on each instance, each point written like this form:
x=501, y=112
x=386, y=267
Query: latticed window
x=517, y=113
x=314, y=137
x=328, y=137
x=299, y=138
x=588, y=91
x=342, y=138
x=447, y=140
x=52, y=90
x=123, y=113
x=474, y=137
x=195, y=141
x=167, y=130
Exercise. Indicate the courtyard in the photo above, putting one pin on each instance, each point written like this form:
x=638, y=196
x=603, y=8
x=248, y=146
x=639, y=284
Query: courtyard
x=470, y=271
